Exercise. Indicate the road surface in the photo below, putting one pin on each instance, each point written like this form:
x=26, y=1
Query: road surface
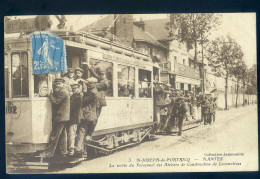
x=229, y=144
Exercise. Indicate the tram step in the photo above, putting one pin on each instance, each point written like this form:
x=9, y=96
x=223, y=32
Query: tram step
x=28, y=167
x=30, y=163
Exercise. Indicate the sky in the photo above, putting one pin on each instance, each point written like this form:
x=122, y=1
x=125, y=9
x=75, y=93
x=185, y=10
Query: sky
x=240, y=26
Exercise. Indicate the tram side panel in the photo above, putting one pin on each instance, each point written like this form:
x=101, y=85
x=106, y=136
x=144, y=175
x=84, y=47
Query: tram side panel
x=142, y=111
x=120, y=113
x=18, y=120
x=41, y=120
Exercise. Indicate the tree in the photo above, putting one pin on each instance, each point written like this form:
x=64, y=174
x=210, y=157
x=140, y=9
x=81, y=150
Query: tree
x=240, y=72
x=252, y=77
x=194, y=28
x=224, y=54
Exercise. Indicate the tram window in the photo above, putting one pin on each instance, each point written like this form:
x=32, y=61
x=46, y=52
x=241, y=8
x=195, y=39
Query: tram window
x=144, y=84
x=41, y=85
x=126, y=80
x=107, y=68
x=20, y=74
x=6, y=77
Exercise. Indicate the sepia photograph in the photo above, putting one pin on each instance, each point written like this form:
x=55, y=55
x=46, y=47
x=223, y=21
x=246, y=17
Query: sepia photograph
x=131, y=93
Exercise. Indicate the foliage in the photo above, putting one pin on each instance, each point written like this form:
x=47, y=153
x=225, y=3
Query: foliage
x=252, y=79
x=252, y=75
x=194, y=27
x=225, y=54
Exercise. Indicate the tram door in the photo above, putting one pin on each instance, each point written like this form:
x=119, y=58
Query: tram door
x=74, y=57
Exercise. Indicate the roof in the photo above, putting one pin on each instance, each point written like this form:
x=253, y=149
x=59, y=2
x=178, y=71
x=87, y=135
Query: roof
x=99, y=25
x=157, y=28
x=139, y=34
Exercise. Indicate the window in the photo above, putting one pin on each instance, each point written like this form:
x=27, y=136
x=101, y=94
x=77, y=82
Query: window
x=107, y=68
x=6, y=77
x=150, y=51
x=126, y=81
x=189, y=87
x=144, y=84
x=155, y=74
x=175, y=59
x=41, y=85
x=182, y=86
x=183, y=61
x=20, y=74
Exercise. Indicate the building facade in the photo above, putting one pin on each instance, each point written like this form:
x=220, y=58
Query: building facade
x=152, y=37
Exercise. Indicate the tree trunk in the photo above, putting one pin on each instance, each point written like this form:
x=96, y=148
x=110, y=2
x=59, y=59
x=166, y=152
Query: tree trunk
x=203, y=68
x=195, y=54
x=237, y=94
x=226, y=88
x=244, y=91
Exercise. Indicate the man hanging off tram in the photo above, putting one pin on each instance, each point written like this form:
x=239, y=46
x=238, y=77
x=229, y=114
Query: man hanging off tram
x=79, y=102
x=60, y=100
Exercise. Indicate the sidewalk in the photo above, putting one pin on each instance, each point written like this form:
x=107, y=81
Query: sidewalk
x=232, y=112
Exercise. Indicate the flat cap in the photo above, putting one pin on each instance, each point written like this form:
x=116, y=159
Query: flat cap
x=79, y=69
x=59, y=80
x=75, y=85
x=70, y=70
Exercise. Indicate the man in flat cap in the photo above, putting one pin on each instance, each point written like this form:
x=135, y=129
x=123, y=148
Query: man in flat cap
x=75, y=116
x=158, y=102
x=183, y=109
x=102, y=86
x=60, y=100
x=88, y=118
x=69, y=79
x=78, y=78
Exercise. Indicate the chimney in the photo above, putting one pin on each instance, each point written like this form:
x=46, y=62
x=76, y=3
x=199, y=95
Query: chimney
x=172, y=19
x=124, y=29
x=172, y=24
x=140, y=24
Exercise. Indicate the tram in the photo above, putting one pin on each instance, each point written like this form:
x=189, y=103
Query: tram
x=126, y=120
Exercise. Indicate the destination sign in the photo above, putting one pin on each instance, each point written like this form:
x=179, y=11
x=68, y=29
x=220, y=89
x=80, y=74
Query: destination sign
x=118, y=58
x=21, y=25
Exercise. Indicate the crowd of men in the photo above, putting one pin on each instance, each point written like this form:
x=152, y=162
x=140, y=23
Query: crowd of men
x=172, y=107
x=77, y=102
x=76, y=106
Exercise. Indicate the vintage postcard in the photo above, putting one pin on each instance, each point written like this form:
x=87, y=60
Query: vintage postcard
x=131, y=93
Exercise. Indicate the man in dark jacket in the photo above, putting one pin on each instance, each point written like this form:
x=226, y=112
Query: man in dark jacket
x=183, y=109
x=214, y=109
x=75, y=115
x=210, y=110
x=69, y=79
x=78, y=78
x=102, y=86
x=193, y=105
x=158, y=102
x=206, y=110
x=88, y=119
x=60, y=100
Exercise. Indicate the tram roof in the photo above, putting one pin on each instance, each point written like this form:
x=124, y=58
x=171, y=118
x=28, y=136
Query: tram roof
x=71, y=36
